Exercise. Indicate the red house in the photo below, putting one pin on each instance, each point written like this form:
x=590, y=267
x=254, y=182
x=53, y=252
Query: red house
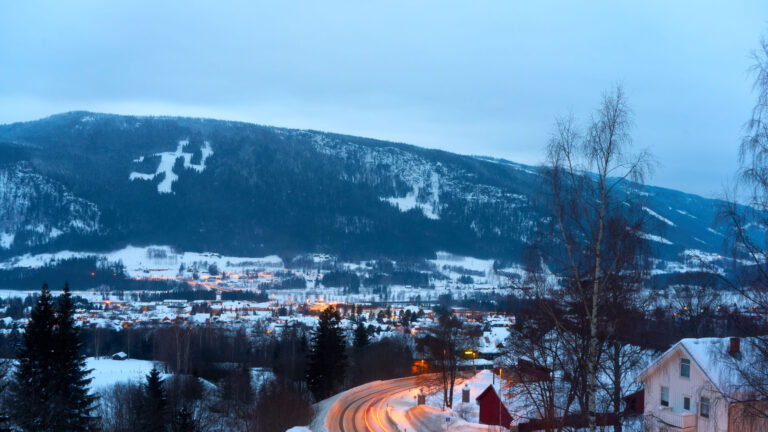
x=635, y=403
x=492, y=411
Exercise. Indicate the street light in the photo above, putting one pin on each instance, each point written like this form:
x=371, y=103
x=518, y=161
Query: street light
x=472, y=353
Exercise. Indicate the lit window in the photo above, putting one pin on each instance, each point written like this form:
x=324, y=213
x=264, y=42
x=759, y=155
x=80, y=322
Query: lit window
x=685, y=368
x=704, y=409
x=687, y=403
x=665, y=396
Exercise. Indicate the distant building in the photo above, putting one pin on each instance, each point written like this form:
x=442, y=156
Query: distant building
x=120, y=356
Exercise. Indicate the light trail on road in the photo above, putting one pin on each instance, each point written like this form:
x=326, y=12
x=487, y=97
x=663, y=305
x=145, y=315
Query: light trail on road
x=360, y=409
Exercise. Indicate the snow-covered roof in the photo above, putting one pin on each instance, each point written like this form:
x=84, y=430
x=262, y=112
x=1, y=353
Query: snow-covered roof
x=712, y=358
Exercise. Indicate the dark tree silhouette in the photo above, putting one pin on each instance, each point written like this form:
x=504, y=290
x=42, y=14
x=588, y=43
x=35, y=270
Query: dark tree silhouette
x=70, y=386
x=327, y=358
x=361, y=336
x=50, y=388
x=155, y=403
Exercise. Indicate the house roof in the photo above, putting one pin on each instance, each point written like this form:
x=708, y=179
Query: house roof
x=489, y=391
x=711, y=356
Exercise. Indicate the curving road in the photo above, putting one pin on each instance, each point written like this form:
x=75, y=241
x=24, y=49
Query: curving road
x=364, y=408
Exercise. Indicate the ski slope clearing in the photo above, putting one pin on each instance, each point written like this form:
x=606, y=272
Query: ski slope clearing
x=167, y=162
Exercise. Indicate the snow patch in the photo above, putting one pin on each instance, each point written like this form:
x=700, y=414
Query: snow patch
x=715, y=232
x=448, y=260
x=6, y=240
x=168, y=160
x=107, y=372
x=658, y=216
x=652, y=237
x=410, y=200
x=701, y=256
x=54, y=232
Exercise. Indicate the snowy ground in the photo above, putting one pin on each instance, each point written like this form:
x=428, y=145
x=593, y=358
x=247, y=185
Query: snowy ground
x=107, y=372
x=160, y=261
x=463, y=417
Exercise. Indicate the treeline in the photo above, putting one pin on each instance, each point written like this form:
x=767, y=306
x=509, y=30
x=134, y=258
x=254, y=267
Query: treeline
x=179, y=294
x=245, y=295
x=690, y=312
x=342, y=279
x=85, y=272
x=351, y=282
x=399, y=277
x=332, y=364
x=290, y=282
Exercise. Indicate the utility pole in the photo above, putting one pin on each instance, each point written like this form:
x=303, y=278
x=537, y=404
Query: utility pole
x=501, y=401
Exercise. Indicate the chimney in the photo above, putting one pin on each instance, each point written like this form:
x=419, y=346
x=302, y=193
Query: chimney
x=735, y=347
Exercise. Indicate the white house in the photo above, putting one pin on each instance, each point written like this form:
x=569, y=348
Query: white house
x=697, y=386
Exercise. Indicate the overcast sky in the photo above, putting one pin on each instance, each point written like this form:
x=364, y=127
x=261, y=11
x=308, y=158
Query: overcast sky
x=473, y=77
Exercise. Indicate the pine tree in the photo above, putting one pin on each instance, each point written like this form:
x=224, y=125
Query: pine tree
x=155, y=404
x=183, y=421
x=5, y=367
x=361, y=336
x=50, y=386
x=73, y=402
x=13, y=343
x=31, y=401
x=327, y=359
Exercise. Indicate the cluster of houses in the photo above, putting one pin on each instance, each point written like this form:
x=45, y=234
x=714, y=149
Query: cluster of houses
x=697, y=385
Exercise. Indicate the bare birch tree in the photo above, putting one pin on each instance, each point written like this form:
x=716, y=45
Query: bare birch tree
x=745, y=216
x=534, y=362
x=444, y=343
x=593, y=180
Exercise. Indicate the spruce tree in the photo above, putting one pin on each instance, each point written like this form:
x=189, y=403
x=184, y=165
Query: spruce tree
x=327, y=359
x=155, y=404
x=72, y=401
x=31, y=393
x=50, y=386
x=361, y=336
x=183, y=421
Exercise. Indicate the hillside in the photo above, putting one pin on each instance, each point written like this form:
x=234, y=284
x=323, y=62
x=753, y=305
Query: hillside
x=87, y=181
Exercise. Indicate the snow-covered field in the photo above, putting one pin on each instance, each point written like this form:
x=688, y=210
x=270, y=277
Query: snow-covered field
x=432, y=416
x=106, y=372
x=162, y=261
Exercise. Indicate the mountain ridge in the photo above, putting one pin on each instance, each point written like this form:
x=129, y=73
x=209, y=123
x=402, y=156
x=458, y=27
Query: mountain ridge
x=265, y=189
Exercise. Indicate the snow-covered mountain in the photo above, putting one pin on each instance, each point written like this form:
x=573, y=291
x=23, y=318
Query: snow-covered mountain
x=87, y=181
x=35, y=210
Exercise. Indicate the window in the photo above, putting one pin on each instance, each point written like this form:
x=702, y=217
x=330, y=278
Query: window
x=704, y=408
x=685, y=368
x=665, y=396
x=687, y=403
